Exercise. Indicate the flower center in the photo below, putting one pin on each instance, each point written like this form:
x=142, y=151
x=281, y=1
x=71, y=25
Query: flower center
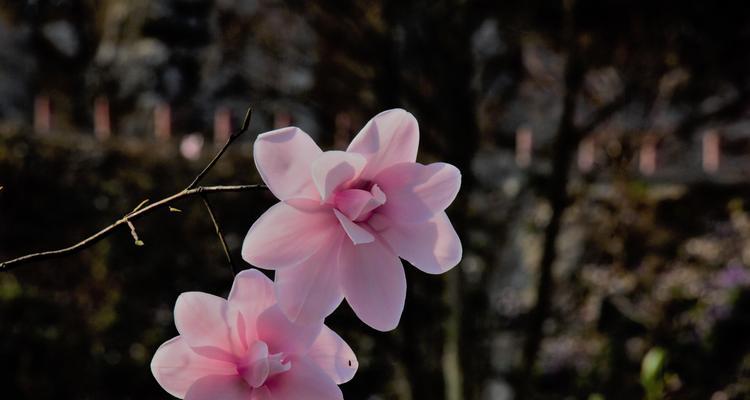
x=358, y=203
x=259, y=365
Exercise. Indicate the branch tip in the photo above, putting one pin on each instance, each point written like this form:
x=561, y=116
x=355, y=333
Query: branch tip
x=134, y=234
x=246, y=121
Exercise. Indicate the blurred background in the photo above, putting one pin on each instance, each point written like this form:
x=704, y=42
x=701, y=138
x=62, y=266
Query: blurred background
x=603, y=144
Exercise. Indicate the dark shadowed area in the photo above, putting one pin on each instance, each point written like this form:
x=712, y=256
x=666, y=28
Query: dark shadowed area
x=604, y=147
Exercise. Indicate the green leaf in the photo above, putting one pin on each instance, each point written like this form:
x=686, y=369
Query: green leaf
x=652, y=368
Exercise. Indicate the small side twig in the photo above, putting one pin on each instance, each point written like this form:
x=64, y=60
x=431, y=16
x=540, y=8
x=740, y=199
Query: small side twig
x=134, y=234
x=219, y=233
x=139, y=206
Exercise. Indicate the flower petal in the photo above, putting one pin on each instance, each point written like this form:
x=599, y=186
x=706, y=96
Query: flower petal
x=358, y=204
x=284, y=236
x=374, y=284
x=310, y=291
x=251, y=294
x=389, y=138
x=283, y=158
x=417, y=192
x=334, y=356
x=432, y=246
x=224, y=387
x=204, y=321
x=261, y=393
x=176, y=366
x=282, y=335
x=356, y=233
x=335, y=168
x=305, y=380
x=257, y=369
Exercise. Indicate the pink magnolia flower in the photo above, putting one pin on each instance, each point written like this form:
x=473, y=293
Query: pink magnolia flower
x=345, y=218
x=245, y=348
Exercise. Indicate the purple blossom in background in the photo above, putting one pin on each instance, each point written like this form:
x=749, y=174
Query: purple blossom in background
x=734, y=275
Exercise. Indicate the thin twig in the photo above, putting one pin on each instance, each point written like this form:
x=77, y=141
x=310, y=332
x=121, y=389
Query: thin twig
x=219, y=233
x=89, y=241
x=138, y=207
x=232, y=138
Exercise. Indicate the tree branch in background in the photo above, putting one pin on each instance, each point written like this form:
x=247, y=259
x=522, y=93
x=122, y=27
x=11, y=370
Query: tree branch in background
x=566, y=144
x=606, y=111
x=142, y=209
x=731, y=110
x=568, y=138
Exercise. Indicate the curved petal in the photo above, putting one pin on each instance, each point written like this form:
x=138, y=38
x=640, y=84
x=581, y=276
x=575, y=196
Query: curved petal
x=283, y=158
x=310, y=291
x=432, y=246
x=389, y=138
x=331, y=353
x=303, y=381
x=257, y=369
x=284, y=236
x=284, y=336
x=417, y=192
x=251, y=294
x=204, y=321
x=224, y=387
x=335, y=168
x=374, y=284
x=356, y=233
x=358, y=204
x=176, y=367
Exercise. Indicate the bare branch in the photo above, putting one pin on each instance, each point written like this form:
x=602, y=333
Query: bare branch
x=91, y=240
x=143, y=209
x=232, y=138
x=219, y=233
